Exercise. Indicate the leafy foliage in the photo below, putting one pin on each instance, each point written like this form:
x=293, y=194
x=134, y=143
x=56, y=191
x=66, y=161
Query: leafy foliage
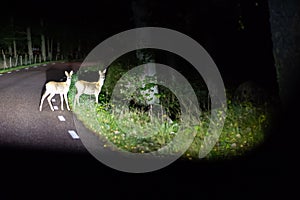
x=244, y=129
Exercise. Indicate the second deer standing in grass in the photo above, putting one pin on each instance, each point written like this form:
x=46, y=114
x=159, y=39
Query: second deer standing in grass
x=90, y=88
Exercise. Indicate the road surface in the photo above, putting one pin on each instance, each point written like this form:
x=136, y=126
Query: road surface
x=22, y=124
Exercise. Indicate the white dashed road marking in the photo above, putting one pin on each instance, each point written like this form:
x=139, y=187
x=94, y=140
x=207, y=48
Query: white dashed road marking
x=53, y=100
x=8, y=72
x=73, y=134
x=61, y=118
x=55, y=107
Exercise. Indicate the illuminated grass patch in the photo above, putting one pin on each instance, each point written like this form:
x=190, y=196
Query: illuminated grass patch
x=244, y=129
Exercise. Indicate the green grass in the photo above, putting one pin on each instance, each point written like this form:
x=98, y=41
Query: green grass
x=244, y=128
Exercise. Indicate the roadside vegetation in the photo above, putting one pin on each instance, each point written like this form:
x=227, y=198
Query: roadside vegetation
x=245, y=128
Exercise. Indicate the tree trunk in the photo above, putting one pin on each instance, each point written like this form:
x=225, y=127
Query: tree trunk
x=43, y=42
x=10, y=50
x=140, y=13
x=21, y=61
x=285, y=20
x=26, y=60
x=15, y=52
x=16, y=61
x=4, y=60
x=51, y=49
x=10, y=65
x=48, y=48
x=79, y=50
x=29, y=44
x=43, y=47
x=15, y=48
x=57, y=50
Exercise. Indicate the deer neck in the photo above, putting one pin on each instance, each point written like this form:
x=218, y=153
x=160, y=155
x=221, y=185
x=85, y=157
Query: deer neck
x=100, y=81
x=68, y=82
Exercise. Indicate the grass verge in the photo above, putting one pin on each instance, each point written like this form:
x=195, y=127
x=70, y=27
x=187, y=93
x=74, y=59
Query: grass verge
x=244, y=129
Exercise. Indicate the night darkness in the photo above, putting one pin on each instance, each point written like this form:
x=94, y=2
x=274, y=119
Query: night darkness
x=236, y=34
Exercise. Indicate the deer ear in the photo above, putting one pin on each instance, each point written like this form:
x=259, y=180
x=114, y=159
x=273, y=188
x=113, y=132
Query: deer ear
x=104, y=71
x=71, y=73
x=66, y=73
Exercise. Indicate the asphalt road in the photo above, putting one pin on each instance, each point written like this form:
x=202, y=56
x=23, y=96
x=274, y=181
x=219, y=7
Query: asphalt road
x=36, y=149
x=22, y=124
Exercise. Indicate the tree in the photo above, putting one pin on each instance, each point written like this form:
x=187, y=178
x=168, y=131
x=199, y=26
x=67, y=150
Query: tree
x=284, y=20
x=49, y=48
x=10, y=41
x=57, y=51
x=4, y=60
x=29, y=44
x=43, y=42
x=140, y=14
x=14, y=42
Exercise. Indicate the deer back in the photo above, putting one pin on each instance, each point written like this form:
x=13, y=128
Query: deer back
x=60, y=87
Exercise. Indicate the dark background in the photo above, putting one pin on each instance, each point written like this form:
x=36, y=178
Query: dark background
x=240, y=54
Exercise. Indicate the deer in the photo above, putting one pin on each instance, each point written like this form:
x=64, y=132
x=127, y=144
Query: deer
x=90, y=88
x=61, y=88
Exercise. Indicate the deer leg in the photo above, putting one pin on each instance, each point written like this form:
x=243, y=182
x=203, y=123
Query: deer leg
x=43, y=98
x=61, y=101
x=96, y=96
x=49, y=101
x=74, y=103
x=66, y=100
x=76, y=99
